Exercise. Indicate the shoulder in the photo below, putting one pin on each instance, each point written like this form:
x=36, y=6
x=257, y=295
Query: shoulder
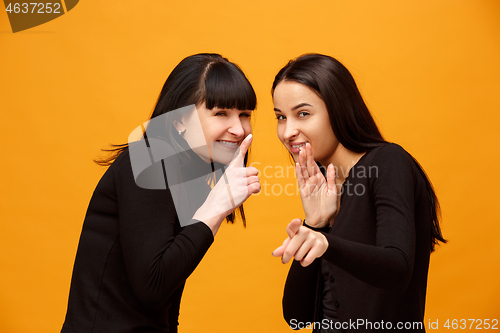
x=118, y=165
x=123, y=172
x=389, y=154
x=121, y=166
x=122, y=161
x=389, y=150
x=390, y=162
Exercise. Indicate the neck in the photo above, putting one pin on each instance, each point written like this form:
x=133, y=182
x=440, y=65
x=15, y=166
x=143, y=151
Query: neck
x=343, y=160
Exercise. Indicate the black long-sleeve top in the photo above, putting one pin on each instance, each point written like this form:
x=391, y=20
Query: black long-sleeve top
x=379, y=248
x=133, y=258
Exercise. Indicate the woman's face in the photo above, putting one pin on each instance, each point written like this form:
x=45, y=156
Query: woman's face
x=215, y=134
x=302, y=117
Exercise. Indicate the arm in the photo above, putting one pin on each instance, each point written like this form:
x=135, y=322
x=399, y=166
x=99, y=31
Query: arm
x=299, y=296
x=389, y=263
x=158, y=256
x=302, y=284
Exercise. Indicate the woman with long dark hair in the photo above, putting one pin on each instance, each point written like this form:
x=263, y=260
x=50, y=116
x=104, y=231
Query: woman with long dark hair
x=157, y=208
x=371, y=215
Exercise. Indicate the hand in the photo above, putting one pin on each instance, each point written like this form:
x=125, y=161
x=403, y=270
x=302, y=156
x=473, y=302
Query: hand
x=319, y=196
x=302, y=243
x=233, y=188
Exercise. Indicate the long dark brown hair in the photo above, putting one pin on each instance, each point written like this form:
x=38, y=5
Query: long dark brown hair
x=204, y=77
x=350, y=119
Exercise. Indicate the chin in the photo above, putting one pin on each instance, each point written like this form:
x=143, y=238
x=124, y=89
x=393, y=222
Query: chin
x=222, y=157
x=294, y=156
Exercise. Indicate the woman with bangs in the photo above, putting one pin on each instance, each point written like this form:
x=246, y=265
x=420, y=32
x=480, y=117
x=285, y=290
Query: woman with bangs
x=151, y=219
x=371, y=215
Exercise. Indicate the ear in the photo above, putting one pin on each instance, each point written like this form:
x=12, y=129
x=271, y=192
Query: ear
x=179, y=125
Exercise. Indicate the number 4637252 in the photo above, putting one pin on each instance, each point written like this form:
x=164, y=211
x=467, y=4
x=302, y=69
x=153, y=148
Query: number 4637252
x=478, y=324
x=34, y=8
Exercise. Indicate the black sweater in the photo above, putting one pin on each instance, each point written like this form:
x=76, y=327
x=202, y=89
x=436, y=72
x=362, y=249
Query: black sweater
x=379, y=248
x=133, y=258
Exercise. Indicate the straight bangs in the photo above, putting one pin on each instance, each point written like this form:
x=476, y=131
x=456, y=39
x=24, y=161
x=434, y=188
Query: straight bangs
x=226, y=87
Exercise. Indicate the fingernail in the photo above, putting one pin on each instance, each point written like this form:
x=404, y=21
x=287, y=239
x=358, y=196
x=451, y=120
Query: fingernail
x=249, y=137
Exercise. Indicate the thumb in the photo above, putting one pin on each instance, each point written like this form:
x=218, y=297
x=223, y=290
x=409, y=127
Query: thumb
x=239, y=156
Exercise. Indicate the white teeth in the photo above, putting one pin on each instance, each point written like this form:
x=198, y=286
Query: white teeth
x=297, y=146
x=229, y=143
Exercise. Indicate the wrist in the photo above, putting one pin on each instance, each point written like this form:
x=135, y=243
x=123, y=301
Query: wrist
x=315, y=221
x=317, y=227
x=213, y=221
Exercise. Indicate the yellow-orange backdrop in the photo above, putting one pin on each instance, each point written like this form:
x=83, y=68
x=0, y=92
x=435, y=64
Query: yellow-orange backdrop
x=428, y=70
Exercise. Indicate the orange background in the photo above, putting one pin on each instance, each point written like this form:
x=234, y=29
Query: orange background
x=429, y=71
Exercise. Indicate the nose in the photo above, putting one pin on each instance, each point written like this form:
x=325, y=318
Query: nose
x=291, y=131
x=236, y=128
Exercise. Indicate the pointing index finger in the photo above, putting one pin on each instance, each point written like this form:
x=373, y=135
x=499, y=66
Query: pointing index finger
x=293, y=227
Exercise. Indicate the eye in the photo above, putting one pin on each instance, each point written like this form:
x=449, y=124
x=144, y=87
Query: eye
x=245, y=115
x=302, y=114
x=221, y=113
x=280, y=117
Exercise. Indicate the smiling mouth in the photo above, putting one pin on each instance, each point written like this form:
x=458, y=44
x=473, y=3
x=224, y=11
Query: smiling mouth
x=295, y=148
x=229, y=143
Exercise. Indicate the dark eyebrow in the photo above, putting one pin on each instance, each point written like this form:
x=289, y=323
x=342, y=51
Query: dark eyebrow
x=300, y=105
x=295, y=107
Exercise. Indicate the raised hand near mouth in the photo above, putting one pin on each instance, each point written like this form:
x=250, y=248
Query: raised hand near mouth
x=319, y=195
x=233, y=188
